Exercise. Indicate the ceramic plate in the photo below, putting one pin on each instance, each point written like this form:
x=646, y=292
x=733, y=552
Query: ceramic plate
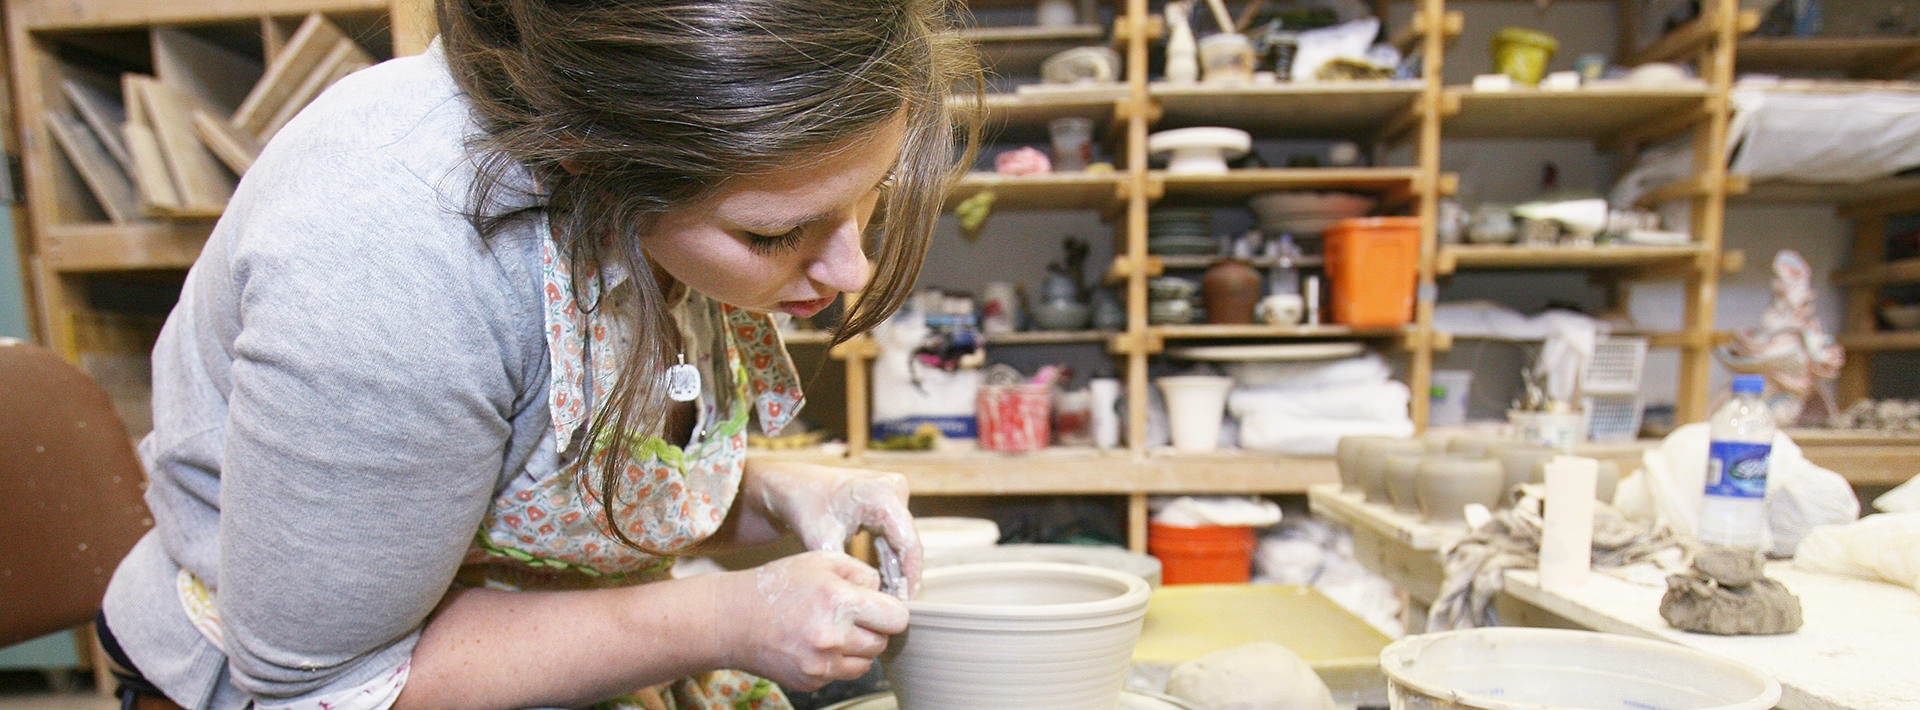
x=1129, y=700
x=1283, y=351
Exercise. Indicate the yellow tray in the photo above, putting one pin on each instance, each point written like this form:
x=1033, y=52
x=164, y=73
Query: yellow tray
x=1187, y=621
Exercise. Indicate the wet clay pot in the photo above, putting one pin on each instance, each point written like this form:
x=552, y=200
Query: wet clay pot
x=1400, y=472
x=1017, y=636
x=1447, y=484
x=1346, y=455
x=1522, y=463
x=1231, y=290
x=1371, y=471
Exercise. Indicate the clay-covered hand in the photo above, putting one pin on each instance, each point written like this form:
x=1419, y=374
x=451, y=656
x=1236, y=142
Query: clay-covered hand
x=826, y=505
x=809, y=619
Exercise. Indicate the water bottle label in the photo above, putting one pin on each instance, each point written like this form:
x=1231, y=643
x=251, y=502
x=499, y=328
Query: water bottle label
x=1737, y=469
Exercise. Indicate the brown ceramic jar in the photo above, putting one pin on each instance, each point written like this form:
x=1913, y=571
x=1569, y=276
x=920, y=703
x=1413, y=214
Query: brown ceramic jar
x=1231, y=289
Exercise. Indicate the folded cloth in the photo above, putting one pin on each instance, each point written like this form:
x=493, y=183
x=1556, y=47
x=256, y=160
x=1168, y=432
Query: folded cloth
x=1311, y=374
x=1475, y=567
x=1303, y=436
x=1377, y=401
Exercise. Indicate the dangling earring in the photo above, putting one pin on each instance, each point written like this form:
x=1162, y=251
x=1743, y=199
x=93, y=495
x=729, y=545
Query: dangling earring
x=683, y=381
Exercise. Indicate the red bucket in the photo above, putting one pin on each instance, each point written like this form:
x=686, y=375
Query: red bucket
x=1202, y=555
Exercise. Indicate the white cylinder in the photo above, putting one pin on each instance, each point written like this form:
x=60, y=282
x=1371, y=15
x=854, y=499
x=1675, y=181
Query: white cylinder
x=1195, y=404
x=1566, y=534
x=1105, y=417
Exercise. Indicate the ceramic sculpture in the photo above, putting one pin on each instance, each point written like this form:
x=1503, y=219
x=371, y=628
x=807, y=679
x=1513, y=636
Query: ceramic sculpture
x=1790, y=348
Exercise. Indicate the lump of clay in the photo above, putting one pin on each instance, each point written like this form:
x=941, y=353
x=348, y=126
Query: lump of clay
x=1726, y=594
x=1256, y=676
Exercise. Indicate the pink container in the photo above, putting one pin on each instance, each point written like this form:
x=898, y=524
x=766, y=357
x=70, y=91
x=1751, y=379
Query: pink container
x=1014, y=417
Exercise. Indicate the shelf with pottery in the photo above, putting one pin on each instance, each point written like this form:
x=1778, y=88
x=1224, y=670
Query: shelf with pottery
x=1327, y=109
x=1053, y=191
x=1600, y=112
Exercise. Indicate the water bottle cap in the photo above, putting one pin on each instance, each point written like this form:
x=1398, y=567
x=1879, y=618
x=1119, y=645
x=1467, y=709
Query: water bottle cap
x=1749, y=384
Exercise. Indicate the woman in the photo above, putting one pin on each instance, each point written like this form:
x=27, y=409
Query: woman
x=469, y=359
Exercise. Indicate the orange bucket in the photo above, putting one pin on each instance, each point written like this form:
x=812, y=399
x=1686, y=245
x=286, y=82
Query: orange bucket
x=1372, y=267
x=1202, y=555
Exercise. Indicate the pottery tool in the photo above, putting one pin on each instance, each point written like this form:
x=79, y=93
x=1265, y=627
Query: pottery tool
x=892, y=580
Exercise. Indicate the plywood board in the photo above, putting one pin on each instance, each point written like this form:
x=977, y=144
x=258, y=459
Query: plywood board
x=234, y=148
x=109, y=183
x=345, y=58
x=103, y=114
x=201, y=181
x=152, y=184
x=210, y=74
x=305, y=51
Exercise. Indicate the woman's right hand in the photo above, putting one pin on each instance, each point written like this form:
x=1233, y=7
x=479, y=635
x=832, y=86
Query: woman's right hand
x=810, y=618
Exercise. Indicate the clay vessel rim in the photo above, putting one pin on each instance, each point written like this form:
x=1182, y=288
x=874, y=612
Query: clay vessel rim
x=1131, y=594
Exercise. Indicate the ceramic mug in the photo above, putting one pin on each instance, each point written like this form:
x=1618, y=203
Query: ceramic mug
x=1281, y=309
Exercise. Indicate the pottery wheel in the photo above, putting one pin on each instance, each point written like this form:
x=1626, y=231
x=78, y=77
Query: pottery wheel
x=1129, y=700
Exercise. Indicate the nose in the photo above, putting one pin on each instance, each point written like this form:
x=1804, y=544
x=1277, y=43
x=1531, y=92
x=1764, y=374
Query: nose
x=842, y=263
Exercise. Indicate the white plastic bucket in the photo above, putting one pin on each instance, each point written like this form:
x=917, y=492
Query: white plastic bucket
x=1195, y=406
x=1449, y=397
x=1541, y=669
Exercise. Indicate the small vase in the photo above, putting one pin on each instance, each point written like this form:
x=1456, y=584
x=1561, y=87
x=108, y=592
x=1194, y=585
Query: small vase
x=1231, y=289
x=1183, y=53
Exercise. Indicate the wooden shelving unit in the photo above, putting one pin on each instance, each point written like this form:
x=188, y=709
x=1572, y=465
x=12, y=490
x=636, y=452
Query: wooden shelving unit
x=73, y=247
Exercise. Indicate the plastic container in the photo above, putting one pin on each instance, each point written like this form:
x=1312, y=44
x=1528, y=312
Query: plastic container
x=1195, y=406
x=1507, y=668
x=1448, y=397
x=1372, y=264
x=1523, y=54
x=1211, y=554
x=1072, y=138
x=1014, y=417
x=1733, y=512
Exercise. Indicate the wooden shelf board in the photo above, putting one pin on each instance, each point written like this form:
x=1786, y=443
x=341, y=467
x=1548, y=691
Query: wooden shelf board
x=75, y=248
x=1050, y=337
x=1032, y=106
x=1330, y=109
x=1589, y=113
x=1056, y=191
x=1019, y=50
x=1192, y=261
x=1883, y=340
x=1853, y=56
x=1202, y=331
x=57, y=16
x=1904, y=271
x=1238, y=185
x=1843, y=193
x=1865, y=458
x=1596, y=257
x=1065, y=470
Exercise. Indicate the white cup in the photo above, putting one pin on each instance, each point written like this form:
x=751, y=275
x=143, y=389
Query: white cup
x=1281, y=309
x=1195, y=404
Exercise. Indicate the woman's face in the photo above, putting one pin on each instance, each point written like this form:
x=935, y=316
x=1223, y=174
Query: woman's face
x=789, y=241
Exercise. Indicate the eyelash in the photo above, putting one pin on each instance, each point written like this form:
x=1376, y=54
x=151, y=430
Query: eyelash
x=775, y=244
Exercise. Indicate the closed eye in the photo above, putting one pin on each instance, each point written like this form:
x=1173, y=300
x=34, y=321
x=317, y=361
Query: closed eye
x=775, y=244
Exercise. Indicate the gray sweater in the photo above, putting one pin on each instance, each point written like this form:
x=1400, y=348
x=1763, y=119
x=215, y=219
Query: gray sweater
x=349, y=376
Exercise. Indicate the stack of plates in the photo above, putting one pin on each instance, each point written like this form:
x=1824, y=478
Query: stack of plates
x=1181, y=230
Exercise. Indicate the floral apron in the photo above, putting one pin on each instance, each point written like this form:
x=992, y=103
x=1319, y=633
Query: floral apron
x=551, y=533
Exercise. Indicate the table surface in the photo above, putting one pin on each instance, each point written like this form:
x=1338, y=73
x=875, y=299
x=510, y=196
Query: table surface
x=1859, y=648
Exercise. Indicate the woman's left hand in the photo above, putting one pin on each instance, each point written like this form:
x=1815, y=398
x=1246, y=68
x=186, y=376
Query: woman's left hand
x=826, y=505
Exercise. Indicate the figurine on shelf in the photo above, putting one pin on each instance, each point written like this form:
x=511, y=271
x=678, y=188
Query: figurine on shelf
x=1183, y=53
x=1789, y=347
x=1063, y=294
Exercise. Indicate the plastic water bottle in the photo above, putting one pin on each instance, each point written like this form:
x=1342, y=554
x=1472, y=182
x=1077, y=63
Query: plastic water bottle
x=1734, y=511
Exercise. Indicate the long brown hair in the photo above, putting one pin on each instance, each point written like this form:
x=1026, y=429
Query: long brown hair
x=623, y=109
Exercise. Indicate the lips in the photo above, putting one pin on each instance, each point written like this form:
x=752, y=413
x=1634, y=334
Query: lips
x=806, y=309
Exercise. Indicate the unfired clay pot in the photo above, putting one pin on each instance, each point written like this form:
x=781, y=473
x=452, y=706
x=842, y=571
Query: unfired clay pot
x=1522, y=462
x=1347, y=457
x=1372, y=469
x=1401, y=471
x=1017, y=636
x=1447, y=484
x=1470, y=446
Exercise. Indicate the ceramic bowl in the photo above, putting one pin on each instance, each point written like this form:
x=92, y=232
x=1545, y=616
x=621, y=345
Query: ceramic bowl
x=1081, y=64
x=1200, y=151
x=1017, y=636
x=1061, y=315
x=1171, y=288
x=1446, y=484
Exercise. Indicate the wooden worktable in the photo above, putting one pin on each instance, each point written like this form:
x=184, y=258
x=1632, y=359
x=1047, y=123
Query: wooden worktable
x=1857, y=651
